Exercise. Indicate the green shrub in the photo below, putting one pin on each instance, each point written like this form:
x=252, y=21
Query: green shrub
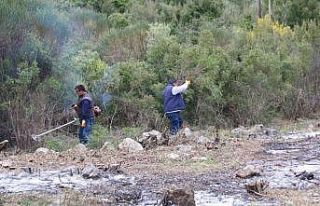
x=60, y=143
x=132, y=132
x=99, y=136
x=118, y=20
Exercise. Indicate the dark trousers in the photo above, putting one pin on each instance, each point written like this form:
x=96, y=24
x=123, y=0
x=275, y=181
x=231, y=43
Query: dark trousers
x=175, y=122
x=85, y=132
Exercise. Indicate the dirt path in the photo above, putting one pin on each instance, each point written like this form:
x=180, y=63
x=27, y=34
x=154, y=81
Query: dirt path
x=148, y=174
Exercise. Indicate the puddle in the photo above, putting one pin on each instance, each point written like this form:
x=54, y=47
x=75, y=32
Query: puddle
x=281, y=151
x=287, y=177
x=52, y=181
x=300, y=135
x=282, y=162
x=290, y=159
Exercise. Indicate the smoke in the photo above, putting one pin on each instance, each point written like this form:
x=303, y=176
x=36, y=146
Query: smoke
x=68, y=32
x=78, y=39
x=106, y=98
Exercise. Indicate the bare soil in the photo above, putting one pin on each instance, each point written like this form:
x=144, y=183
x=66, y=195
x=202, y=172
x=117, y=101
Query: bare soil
x=199, y=169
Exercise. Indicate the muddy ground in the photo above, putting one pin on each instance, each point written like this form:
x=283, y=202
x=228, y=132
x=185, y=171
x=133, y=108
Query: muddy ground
x=144, y=177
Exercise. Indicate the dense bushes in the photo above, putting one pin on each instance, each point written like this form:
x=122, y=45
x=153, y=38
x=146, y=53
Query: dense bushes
x=243, y=70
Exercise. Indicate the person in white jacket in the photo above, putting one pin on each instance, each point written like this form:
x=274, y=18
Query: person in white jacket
x=174, y=103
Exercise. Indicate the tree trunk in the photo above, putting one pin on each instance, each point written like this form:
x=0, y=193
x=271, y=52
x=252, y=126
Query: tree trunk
x=270, y=8
x=259, y=9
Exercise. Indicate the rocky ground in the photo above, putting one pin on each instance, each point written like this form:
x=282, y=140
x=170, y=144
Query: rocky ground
x=278, y=165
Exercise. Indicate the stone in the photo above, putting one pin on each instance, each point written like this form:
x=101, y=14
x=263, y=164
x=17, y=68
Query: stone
x=115, y=169
x=130, y=145
x=248, y=171
x=240, y=132
x=6, y=163
x=305, y=175
x=91, y=172
x=81, y=158
x=186, y=133
x=80, y=148
x=256, y=187
x=202, y=140
x=184, y=148
x=173, y=156
x=271, y=132
x=152, y=139
x=42, y=150
x=179, y=197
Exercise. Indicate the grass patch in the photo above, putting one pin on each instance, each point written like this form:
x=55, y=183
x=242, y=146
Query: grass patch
x=132, y=132
x=26, y=200
x=60, y=143
x=67, y=198
x=101, y=135
x=190, y=164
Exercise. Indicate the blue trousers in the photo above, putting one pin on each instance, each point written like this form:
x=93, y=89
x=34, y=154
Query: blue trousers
x=85, y=132
x=175, y=122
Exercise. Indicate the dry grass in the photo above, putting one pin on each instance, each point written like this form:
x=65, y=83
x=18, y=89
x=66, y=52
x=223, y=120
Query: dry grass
x=295, y=126
x=231, y=153
x=297, y=197
x=67, y=198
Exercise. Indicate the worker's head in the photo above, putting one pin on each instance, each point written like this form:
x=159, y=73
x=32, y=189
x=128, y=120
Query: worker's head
x=173, y=81
x=80, y=90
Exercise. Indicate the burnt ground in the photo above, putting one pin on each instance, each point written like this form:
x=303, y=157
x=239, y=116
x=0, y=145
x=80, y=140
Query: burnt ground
x=197, y=168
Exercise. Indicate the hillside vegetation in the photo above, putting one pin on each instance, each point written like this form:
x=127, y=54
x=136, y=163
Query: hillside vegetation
x=248, y=62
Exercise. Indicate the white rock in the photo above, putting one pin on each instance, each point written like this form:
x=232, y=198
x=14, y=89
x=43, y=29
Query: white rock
x=80, y=147
x=6, y=163
x=42, y=150
x=173, y=156
x=184, y=148
x=187, y=133
x=130, y=145
x=202, y=140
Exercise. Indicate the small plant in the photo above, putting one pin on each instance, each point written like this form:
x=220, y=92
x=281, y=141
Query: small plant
x=33, y=201
x=60, y=143
x=99, y=136
x=132, y=132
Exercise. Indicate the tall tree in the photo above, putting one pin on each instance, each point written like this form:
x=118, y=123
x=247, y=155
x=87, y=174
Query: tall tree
x=259, y=9
x=270, y=8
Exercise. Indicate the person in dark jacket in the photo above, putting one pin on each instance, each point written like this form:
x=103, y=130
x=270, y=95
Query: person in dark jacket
x=174, y=103
x=84, y=109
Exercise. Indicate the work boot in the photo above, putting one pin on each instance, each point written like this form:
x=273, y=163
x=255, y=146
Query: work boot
x=84, y=142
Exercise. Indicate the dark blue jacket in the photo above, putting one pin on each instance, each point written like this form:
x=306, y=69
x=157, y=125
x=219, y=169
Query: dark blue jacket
x=85, y=107
x=172, y=102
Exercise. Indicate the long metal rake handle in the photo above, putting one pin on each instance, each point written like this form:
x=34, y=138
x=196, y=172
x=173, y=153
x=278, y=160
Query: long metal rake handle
x=35, y=137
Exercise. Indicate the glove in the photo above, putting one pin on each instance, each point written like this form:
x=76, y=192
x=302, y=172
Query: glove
x=74, y=106
x=188, y=82
x=83, y=123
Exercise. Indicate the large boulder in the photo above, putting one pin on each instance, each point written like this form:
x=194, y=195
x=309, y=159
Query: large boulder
x=91, y=172
x=248, y=171
x=130, y=145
